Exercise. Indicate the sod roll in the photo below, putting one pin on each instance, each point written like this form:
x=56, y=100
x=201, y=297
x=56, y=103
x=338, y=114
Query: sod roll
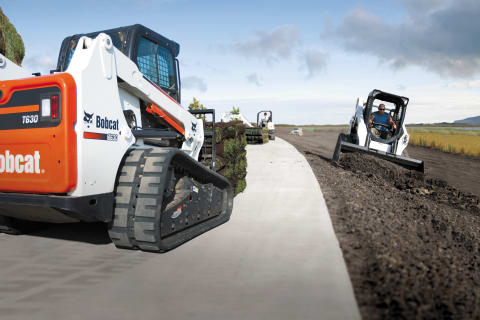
x=231, y=160
x=11, y=43
x=256, y=135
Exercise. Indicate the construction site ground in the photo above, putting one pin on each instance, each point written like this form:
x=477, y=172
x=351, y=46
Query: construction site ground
x=410, y=240
x=277, y=258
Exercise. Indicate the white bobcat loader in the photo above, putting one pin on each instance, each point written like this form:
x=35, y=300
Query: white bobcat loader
x=392, y=142
x=104, y=138
x=267, y=123
x=264, y=129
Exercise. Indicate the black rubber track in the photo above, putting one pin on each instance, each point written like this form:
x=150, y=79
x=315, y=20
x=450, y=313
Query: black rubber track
x=139, y=190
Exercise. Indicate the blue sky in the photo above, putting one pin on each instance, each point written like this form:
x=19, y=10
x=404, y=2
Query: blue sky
x=306, y=60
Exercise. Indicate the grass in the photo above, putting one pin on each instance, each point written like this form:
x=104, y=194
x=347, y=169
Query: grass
x=442, y=124
x=464, y=142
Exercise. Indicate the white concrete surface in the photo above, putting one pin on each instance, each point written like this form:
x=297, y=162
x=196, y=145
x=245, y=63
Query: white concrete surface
x=277, y=258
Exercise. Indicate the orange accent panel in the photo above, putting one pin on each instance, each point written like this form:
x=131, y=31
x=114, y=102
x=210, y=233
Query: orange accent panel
x=171, y=120
x=44, y=159
x=21, y=109
x=93, y=135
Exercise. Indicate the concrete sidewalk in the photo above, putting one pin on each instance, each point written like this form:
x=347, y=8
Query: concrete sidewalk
x=277, y=258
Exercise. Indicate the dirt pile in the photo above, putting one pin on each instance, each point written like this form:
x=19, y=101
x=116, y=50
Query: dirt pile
x=410, y=240
x=410, y=181
x=418, y=238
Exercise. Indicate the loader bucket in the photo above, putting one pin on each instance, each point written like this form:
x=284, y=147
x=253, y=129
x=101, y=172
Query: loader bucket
x=343, y=145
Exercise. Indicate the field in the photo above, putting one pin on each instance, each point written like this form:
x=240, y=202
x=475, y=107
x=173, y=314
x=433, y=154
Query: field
x=443, y=137
x=410, y=241
x=451, y=140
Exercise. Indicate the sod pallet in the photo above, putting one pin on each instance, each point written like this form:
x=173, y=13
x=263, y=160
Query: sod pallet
x=256, y=135
x=231, y=155
x=11, y=43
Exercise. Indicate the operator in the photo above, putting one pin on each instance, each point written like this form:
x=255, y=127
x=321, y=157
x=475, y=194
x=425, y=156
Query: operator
x=265, y=119
x=382, y=118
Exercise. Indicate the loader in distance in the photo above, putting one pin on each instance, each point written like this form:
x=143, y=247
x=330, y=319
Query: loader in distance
x=264, y=129
x=392, y=142
x=104, y=138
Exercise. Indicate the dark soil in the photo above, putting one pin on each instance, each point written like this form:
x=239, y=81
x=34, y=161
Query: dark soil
x=410, y=240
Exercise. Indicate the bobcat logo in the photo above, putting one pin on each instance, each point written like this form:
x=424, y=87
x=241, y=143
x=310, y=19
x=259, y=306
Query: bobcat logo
x=87, y=118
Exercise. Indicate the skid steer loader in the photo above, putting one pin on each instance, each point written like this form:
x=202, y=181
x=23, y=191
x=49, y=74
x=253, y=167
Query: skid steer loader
x=104, y=138
x=391, y=144
x=264, y=129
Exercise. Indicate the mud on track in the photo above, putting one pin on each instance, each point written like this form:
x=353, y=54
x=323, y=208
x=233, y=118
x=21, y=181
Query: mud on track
x=410, y=241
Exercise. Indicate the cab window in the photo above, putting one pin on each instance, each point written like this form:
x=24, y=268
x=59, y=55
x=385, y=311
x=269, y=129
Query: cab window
x=156, y=63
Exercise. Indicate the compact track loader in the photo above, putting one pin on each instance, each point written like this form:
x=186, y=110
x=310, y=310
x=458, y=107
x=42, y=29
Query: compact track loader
x=104, y=138
x=391, y=144
x=264, y=129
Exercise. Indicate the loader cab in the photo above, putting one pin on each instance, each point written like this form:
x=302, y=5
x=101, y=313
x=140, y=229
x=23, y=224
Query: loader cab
x=395, y=106
x=261, y=122
x=155, y=55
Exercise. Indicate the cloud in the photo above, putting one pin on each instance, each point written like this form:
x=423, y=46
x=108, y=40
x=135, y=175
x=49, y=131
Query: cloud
x=42, y=64
x=254, y=79
x=464, y=84
x=194, y=83
x=315, y=61
x=415, y=7
x=271, y=46
x=438, y=35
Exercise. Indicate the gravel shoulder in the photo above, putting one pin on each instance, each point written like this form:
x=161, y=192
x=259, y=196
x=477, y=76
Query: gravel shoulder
x=410, y=241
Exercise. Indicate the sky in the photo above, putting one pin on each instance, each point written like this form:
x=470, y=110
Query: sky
x=307, y=60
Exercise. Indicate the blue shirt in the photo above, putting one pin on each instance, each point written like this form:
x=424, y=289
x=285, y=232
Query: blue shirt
x=378, y=118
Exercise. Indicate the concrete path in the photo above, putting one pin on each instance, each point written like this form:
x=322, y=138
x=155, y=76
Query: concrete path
x=277, y=258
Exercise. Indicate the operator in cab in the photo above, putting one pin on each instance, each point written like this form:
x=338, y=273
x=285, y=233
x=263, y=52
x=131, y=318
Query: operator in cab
x=383, y=122
x=265, y=119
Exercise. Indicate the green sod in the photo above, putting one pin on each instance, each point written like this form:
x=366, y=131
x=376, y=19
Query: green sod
x=231, y=155
x=11, y=43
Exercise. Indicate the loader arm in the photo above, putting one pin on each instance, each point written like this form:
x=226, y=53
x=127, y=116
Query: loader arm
x=116, y=65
